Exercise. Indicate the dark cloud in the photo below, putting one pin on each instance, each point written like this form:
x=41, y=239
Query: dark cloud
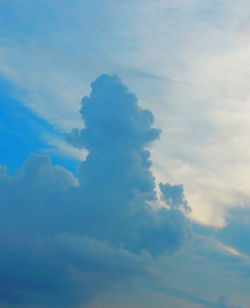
x=64, y=239
x=61, y=270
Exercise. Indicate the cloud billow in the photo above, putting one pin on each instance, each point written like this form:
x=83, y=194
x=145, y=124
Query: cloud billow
x=77, y=236
x=116, y=183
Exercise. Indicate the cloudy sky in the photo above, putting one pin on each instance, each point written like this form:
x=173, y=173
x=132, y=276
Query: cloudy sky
x=124, y=153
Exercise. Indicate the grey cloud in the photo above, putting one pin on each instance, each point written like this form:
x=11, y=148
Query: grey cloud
x=237, y=231
x=61, y=270
x=174, y=196
x=116, y=179
x=64, y=238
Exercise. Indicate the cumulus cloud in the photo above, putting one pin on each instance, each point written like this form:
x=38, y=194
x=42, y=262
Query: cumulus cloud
x=117, y=135
x=63, y=239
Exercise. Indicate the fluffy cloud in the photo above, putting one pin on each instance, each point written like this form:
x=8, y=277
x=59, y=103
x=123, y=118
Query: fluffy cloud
x=64, y=238
x=116, y=135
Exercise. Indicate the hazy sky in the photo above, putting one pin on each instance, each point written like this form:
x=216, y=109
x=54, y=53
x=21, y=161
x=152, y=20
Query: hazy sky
x=142, y=198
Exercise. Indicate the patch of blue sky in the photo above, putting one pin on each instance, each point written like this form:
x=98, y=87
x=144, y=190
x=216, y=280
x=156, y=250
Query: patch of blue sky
x=22, y=132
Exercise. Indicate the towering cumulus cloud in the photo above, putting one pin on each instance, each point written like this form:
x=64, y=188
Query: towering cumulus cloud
x=116, y=182
x=64, y=239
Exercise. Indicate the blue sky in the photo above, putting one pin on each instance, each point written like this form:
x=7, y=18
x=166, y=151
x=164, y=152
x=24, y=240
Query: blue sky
x=136, y=195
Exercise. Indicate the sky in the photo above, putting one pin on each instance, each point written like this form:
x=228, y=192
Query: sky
x=124, y=153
